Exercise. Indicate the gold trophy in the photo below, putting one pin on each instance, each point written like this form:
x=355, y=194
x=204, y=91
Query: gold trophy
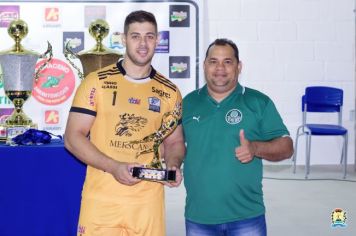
x=154, y=171
x=96, y=58
x=19, y=74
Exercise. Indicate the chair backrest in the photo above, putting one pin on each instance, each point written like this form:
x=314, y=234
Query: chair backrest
x=322, y=99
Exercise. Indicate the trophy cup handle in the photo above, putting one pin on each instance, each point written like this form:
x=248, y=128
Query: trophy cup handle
x=48, y=57
x=67, y=53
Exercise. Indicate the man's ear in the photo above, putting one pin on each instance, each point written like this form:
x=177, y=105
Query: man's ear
x=123, y=39
x=239, y=67
x=158, y=39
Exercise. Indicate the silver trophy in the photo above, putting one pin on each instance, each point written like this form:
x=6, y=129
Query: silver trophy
x=19, y=75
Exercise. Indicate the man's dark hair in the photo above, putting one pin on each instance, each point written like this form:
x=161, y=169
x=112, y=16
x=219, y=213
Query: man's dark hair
x=141, y=17
x=224, y=42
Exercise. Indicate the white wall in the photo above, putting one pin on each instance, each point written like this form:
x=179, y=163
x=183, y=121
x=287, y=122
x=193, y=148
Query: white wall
x=286, y=45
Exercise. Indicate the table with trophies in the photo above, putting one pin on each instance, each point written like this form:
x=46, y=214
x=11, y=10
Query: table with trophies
x=40, y=184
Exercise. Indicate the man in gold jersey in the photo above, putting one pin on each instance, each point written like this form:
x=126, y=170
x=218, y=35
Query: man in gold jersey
x=118, y=104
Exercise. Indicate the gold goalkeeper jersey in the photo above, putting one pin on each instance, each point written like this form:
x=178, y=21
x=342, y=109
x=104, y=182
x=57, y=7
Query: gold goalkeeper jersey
x=125, y=110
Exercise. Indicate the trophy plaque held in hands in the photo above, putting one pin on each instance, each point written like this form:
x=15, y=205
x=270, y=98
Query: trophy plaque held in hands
x=19, y=75
x=154, y=171
x=96, y=58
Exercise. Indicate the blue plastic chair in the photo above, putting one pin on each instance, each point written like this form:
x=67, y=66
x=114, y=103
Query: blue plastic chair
x=326, y=100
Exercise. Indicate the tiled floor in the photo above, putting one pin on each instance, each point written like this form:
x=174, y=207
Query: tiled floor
x=295, y=206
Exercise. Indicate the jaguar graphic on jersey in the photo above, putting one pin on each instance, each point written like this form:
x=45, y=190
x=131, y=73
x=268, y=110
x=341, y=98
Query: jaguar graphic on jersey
x=129, y=123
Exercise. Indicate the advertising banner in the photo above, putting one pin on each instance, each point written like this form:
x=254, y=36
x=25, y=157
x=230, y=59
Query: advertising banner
x=59, y=22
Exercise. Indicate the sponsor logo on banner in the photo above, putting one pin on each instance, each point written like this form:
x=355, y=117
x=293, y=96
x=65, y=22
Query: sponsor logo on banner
x=92, y=13
x=75, y=40
x=51, y=17
x=116, y=42
x=52, y=120
x=5, y=113
x=179, y=16
x=51, y=117
x=163, y=45
x=51, y=14
x=55, y=84
x=179, y=67
x=8, y=14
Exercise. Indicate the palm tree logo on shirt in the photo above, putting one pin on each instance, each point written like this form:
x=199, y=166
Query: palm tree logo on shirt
x=233, y=117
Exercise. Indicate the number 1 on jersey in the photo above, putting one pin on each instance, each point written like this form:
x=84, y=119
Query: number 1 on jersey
x=114, y=98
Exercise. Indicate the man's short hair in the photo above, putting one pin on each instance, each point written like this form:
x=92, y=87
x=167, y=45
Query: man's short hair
x=224, y=42
x=141, y=17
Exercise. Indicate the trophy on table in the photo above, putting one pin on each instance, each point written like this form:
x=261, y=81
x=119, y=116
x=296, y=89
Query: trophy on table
x=19, y=75
x=96, y=58
x=154, y=171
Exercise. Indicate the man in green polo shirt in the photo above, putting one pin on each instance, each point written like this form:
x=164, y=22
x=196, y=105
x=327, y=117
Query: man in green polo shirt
x=228, y=130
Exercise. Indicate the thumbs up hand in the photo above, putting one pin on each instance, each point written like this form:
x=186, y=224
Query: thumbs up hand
x=246, y=151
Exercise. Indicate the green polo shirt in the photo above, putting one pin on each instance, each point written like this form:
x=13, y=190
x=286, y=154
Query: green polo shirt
x=220, y=188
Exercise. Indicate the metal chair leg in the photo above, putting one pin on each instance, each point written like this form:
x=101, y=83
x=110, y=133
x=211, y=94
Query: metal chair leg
x=307, y=155
x=294, y=158
x=345, y=154
x=343, y=151
x=295, y=154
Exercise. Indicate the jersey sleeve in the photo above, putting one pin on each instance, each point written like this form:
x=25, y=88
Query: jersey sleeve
x=272, y=125
x=85, y=99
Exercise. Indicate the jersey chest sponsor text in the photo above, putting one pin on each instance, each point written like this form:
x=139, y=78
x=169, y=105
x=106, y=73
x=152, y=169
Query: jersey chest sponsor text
x=129, y=146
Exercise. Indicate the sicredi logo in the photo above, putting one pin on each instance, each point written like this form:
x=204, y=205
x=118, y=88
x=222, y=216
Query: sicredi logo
x=51, y=117
x=55, y=84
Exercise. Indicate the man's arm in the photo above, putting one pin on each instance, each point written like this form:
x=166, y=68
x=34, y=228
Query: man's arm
x=174, y=152
x=77, y=142
x=275, y=150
